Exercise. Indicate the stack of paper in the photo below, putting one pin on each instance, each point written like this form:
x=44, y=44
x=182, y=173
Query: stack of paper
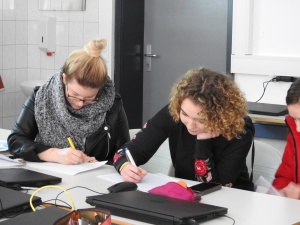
x=6, y=161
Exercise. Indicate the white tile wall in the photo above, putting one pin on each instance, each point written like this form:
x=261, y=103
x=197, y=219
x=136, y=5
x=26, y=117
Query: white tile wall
x=21, y=32
x=9, y=56
x=76, y=28
x=1, y=67
x=9, y=79
x=9, y=36
x=8, y=8
x=20, y=57
x=1, y=28
x=21, y=75
x=21, y=10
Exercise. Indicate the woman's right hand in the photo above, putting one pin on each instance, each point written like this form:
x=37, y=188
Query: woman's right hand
x=67, y=156
x=292, y=190
x=133, y=173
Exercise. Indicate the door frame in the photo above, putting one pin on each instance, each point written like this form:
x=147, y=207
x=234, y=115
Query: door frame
x=129, y=49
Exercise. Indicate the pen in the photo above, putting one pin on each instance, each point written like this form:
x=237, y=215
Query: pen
x=71, y=142
x=129, y=156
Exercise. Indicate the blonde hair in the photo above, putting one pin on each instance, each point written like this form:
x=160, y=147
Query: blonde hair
x=87, y=66
x=223, y=106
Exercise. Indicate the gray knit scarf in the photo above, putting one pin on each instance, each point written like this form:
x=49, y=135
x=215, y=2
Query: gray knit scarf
x=56, y=119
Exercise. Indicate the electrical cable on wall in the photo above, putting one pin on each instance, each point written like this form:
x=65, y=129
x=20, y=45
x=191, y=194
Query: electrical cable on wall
x=276, y=79
x=265, y=85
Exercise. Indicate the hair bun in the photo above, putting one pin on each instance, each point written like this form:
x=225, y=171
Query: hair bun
x=95, y=47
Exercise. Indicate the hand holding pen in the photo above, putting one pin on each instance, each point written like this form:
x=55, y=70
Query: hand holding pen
x=131, y=172
x=67, y=156
x=79, y=154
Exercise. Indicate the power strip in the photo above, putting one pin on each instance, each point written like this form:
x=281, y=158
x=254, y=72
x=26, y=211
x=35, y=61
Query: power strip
x=284, y=79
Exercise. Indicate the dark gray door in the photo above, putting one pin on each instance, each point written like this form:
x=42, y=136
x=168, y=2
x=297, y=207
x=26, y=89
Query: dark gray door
x=182, y=35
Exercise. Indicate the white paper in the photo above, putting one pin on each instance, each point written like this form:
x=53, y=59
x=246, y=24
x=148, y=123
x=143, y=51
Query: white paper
x=66, y=169
x=149, y=181
x=264, y=186
x=6, y=161
x=3, y=146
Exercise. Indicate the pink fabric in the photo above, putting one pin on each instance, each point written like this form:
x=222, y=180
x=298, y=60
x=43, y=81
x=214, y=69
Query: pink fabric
x=175, y=190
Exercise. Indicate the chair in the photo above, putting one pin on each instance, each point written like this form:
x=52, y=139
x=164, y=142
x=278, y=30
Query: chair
x=160, y=162
x=266, y=161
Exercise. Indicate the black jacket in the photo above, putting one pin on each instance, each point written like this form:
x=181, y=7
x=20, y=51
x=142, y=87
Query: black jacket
x=229, y=157
x=102, y=144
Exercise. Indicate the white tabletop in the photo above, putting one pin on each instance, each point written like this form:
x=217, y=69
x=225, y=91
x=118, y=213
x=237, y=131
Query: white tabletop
x=245, y=207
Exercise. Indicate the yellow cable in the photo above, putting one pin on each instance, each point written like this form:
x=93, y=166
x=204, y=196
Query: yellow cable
x=51, y=186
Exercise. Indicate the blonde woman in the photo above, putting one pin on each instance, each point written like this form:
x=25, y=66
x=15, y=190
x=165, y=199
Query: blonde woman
x=75, y=117
x=208, y=129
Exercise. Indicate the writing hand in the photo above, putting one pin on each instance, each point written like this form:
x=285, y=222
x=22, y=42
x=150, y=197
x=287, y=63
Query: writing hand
x=67, y=156
x=90, y=159
x=133, y=173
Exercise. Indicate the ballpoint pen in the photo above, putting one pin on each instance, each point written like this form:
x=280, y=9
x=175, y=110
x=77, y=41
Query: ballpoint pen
x=129, y=156
x=71, y=142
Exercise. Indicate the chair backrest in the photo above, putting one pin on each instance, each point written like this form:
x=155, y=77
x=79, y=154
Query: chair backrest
x=160, y=162
x=266, y=161
x=132, y=132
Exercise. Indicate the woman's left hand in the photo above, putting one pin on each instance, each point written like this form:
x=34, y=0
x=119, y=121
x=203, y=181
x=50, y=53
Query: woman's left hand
x=204, y=136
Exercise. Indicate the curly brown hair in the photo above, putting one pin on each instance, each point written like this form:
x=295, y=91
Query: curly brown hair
x=223, y=105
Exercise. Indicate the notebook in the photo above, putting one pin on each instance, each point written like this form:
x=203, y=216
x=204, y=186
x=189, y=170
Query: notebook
x=267, y=109
x=45, y=216
x=155, y=209
x=15, y=178
x=15, y=202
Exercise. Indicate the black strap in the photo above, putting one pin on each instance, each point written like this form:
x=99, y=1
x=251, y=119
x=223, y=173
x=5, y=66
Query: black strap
x=252, y=160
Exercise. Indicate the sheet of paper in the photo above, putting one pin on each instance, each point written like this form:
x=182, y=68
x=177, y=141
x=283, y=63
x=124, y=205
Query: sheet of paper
x=6, y=161
x=149, y=181
x=3, y=146
x=65, y=169
x=264, y=186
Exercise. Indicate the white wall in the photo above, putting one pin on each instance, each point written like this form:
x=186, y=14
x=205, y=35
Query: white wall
x=20, y=57
x=252, y=86
x=266, y=43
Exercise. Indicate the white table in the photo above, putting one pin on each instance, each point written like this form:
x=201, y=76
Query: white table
x=245, y=207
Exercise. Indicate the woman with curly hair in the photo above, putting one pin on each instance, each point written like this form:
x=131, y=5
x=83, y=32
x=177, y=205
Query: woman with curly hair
x=209, y=132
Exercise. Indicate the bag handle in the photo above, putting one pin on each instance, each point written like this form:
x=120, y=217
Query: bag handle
x=51, y=186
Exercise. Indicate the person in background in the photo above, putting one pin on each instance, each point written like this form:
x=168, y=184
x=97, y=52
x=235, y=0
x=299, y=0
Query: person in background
x=287, y=177
x=208, y=129
x=79, y=103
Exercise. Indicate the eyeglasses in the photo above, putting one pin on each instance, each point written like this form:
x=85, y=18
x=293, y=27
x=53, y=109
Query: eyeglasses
x=76, y=100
